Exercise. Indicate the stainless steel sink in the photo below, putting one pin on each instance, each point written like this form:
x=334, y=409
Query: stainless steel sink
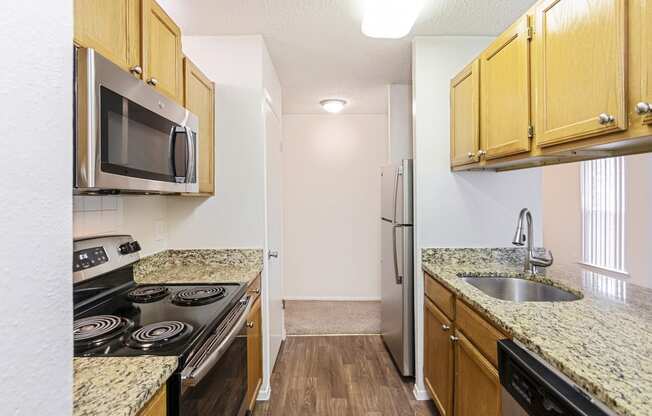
x=520, y=290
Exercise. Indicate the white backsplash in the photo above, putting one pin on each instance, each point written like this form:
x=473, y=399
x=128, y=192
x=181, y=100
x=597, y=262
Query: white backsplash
x=144, y=217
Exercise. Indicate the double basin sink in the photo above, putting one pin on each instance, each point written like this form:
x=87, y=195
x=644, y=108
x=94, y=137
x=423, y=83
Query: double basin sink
x=519, y=290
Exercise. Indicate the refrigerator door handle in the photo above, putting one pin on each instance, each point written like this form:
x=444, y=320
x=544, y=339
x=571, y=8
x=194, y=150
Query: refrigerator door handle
x=399, y=173
x=398, y=277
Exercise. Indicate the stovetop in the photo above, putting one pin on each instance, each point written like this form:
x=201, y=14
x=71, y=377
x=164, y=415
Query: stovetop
x=166, y=324
x=114, y=316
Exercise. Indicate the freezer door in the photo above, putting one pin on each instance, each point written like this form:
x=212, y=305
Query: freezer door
x=396, y=295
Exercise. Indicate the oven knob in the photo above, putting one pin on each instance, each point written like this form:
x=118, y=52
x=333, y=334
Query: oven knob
x=124, y=248
x=135, y=247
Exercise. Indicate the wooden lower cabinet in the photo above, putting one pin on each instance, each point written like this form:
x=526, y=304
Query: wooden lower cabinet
x=254, y=353
x=438, y=358
x=459, y=366
x=477, y=386
x=157, y=406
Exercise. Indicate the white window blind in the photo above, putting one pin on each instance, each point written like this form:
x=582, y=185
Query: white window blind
x=603, y=213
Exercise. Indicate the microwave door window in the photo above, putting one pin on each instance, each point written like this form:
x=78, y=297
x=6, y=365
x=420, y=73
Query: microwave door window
x=136, y=141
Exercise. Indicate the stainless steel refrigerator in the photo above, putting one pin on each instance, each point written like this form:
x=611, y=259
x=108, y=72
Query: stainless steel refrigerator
x=397, y=256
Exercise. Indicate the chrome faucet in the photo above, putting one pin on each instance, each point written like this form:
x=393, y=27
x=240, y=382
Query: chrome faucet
x=523, y=235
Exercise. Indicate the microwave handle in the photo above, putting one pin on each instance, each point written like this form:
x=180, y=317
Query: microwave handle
x=173, y=160
x=191, y=154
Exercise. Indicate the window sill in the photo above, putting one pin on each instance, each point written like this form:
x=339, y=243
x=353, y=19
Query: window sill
x=604, y=270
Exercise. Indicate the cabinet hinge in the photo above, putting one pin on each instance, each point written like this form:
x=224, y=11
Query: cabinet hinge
x=530, y=132
x=530, y=32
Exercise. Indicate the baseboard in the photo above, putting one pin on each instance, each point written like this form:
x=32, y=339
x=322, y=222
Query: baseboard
x=335, y=298
x=264, y=395
x=420, y=394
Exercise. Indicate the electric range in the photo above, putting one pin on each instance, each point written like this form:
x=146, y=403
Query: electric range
x=202, y=325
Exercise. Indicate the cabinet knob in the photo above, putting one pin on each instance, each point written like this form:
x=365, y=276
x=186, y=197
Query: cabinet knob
x=454, y=338
x=250, y=324
x=643, y=108
x=470, y=155
x=152, y=81
x=136, y=69
x=445, y=327
x=605, y=118
x=481, y=153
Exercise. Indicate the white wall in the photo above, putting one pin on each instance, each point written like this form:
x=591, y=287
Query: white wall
x=234, y=217
x=36, y=208
x=332, y=205
x=563, y=220
x=473, y=209
x=399, y=121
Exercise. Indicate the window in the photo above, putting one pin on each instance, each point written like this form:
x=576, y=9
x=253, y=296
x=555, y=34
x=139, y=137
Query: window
x=603, y=213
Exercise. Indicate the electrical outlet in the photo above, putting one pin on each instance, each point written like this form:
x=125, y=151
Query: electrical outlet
x=160, y=230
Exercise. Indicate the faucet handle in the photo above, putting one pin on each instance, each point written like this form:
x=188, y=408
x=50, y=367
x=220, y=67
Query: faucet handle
x=542, y=261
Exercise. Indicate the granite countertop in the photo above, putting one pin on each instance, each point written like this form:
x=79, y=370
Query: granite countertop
x=200, y=266
x=603, y=342
x=118, y=386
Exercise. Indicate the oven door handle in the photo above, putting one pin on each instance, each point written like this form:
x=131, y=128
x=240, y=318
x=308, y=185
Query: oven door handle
x=192, y=375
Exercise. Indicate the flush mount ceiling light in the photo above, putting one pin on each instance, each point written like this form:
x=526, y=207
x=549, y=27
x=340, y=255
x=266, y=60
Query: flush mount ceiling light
x=390, y=19
x=333, y=105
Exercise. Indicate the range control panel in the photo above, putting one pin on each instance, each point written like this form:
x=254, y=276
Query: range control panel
x=94, y=256
x=90, y=257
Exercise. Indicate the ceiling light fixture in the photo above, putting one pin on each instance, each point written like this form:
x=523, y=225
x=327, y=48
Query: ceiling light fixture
x=390, y=19
x=333, y=105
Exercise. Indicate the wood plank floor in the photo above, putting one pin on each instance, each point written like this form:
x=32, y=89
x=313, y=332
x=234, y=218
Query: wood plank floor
x=339, y=376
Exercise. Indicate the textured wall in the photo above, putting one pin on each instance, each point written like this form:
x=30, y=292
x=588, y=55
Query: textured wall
x=36, y=208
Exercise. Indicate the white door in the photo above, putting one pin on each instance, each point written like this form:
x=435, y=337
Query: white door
x=274, y=239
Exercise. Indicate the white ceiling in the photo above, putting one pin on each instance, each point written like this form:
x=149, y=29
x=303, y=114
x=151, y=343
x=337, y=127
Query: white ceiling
x=317, y=47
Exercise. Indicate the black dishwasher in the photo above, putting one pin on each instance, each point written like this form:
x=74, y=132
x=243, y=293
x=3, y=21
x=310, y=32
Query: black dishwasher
x=529, y=387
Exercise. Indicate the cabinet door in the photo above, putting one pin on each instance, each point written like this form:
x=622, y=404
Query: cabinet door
x=157, y=405
x=505, y=93
x=477, y=386
x=162, y=56
x=465, y=115
x=438, y=358
x=112, y=28
x=254, y=353
x=200, y=100
x=580, y=69
x=645, y=106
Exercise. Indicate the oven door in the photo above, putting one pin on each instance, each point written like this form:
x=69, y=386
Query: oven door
x=215, y=380
x=129, y=137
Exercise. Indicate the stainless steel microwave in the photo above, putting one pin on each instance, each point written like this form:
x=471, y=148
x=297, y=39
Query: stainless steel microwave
x=128, y=136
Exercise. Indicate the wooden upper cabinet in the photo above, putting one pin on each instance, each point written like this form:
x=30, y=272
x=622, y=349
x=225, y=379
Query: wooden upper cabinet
x=112, y=28
x=465, y=115
x=438, y=358
x=162, y=57
x=505, y=93
x=644, y=106
x=254, y=354
x=580, y=78
x=199, y=98
x=477, y=385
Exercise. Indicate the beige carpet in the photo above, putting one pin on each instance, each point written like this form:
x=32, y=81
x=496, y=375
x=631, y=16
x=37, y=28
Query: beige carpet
x=329, y=317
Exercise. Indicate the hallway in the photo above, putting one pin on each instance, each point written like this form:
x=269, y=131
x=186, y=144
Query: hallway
x=339, y=375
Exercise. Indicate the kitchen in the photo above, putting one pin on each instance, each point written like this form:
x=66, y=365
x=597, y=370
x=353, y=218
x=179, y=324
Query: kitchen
x=316, y=203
